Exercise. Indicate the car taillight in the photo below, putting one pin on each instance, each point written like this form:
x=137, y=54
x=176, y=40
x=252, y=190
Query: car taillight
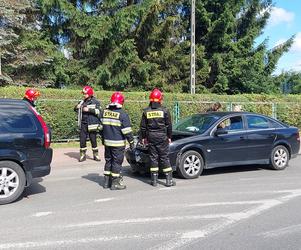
x=44, y=127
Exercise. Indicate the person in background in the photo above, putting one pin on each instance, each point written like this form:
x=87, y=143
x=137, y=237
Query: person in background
x=215, y=107
x=88, y=122
x=31, y=95
x=237, y=108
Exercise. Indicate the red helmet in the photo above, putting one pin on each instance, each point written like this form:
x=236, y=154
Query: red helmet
x=31, y=94
x=88, y=90
x=156, y=96
x=117, y=97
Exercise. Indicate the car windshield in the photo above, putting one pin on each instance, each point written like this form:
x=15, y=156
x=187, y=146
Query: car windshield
x=196, y=123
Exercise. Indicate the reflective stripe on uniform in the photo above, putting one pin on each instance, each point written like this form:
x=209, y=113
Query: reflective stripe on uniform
x=93, y=127
x=126, y=130
x=91, y=106
x=112, y=143
x=82, y=149
x=107, y=172
x=111, y=122
x=167, y=169
x=97, y=111
x=154, y=169
x=115, y=175
x=94, y=149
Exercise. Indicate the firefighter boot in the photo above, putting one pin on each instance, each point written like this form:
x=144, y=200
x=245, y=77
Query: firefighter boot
x=82, y=154
x=154, y=179
x=117, y=184
x=107, y=181
x=169, y=181
x=95, y=155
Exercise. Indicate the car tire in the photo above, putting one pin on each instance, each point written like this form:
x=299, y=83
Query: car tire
x=12, y=181
x=191, y=165
x=279, y=158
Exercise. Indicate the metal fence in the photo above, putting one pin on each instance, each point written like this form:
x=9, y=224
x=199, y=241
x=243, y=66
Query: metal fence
x=64, y=128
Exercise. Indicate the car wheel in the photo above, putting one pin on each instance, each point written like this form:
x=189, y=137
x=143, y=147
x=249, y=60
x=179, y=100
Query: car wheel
x=12, y=181
x=279, y=158
x=191, y=165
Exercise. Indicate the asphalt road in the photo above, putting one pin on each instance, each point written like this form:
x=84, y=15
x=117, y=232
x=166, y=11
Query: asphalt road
x=227, y=208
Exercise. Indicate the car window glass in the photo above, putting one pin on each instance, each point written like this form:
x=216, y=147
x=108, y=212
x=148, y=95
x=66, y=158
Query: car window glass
x=232, y=123
x=17, y=120
x=275, y=124
x=257, y=122
x=196, y=123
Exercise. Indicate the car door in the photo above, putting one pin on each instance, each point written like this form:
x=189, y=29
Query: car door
x=260, y=137
x=230, y=148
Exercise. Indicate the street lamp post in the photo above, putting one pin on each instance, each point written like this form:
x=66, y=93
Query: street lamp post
x=192, y=48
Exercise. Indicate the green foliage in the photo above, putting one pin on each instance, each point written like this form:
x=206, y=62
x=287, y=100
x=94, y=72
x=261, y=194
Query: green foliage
x=139, y=45
x=27, y=53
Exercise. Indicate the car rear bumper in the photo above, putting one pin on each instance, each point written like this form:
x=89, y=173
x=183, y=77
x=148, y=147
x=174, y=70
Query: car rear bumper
x=42, y=169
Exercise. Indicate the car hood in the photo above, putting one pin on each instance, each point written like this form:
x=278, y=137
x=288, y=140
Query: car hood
x=177, y=135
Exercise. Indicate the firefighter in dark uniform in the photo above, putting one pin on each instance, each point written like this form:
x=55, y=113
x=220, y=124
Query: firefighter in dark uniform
x=88, y=122
x=156, y=131
x=116, y=131
x=31, y=95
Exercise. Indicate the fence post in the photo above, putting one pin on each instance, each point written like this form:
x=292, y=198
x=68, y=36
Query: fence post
x=229, y=108
x=274, y=111
x=177, y=112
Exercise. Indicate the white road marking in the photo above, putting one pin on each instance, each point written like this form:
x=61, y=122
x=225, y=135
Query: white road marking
x=103, y=200
x=145, y=220
x=190, y=237
x=167, y=188
x=40, y=214
x=282, y=231
x=174, y=239
x=62, y=243
x=225, y=203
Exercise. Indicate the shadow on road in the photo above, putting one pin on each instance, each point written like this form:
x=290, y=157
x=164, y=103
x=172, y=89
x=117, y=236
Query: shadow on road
x=34, y=188
x=143, y=177
x=228, y=170
x=75, y=155
x=94, y=177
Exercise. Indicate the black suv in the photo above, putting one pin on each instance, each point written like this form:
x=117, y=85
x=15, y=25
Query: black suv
x=25, y=151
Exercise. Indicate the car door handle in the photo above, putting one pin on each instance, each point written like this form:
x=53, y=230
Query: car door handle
x=242, y=137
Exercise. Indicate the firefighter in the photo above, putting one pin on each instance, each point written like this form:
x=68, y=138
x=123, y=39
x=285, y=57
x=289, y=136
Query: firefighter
x=31, y=95
x=88, y=122
x=116, y=130
x=156, y=131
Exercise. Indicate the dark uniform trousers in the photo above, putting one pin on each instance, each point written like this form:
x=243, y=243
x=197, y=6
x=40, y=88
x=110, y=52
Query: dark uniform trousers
x=83, y=137
x=159, y=151
x=114, y=157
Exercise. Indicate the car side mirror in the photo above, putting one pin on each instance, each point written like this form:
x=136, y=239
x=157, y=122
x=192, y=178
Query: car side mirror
x=220, y=131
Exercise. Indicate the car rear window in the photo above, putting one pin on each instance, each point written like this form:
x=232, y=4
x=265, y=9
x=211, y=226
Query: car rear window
x=257, y=122
x=16, y=120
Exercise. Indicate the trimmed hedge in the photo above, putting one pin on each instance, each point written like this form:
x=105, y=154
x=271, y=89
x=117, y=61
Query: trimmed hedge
x=56, y=106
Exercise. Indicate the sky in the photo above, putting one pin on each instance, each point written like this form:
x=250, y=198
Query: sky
x=285, y=21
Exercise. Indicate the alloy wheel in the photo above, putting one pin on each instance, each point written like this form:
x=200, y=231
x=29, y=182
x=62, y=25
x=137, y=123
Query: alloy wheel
x=9, y=182
x=192, y=165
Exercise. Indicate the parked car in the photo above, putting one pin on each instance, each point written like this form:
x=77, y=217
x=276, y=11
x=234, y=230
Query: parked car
x=218, y=139
x=25, y=151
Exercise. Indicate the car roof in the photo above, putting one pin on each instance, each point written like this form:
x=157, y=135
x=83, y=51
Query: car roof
x=225, y=113
x=12, y=101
